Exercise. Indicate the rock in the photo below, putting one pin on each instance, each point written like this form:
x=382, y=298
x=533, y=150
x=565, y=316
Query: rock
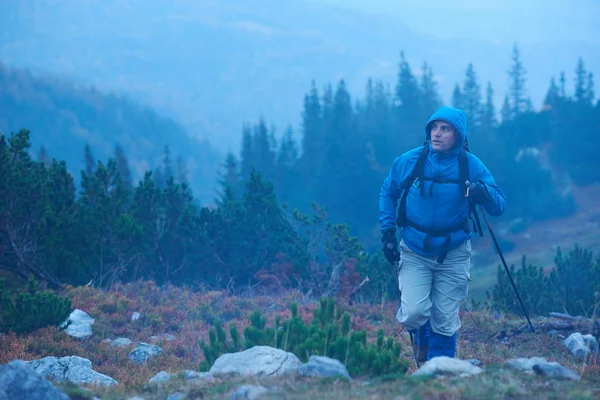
x=555, y=370
x=323, y=367
x=525, y=364
x=161, y=377
x=591, y=342
x=120, y=342
x=257, y=361
x=448, y=365
x=19, y=381
x=81, y=324
x=475, y=362
x=197, y=378
x=579, y=345
x=248, y=392
x=192, y=377
x=70, y=368
x=135, y=316
x=168, y=337
x=144, y=352
x=540, y=366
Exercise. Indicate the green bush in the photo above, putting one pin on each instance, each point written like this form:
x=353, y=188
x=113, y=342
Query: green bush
x=329, y=334
x=572, y=286
x=29, y=310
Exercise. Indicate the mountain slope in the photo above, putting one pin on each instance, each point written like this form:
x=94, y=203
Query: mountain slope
x=64, y=118
x=213, y=65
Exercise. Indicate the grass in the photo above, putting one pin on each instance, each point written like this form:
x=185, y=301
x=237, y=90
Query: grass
x=188, y=315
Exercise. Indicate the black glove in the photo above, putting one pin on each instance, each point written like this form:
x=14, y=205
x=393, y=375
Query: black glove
x=478, y=193
x=390, y=246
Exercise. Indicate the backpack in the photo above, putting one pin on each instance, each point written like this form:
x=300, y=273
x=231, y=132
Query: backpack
x=418, y=173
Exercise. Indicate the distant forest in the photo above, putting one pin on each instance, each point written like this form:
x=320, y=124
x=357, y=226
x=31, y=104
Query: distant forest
x=347, y=144
x=83, y=125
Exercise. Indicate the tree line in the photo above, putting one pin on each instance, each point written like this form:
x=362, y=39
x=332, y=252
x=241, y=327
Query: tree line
x=347, y=145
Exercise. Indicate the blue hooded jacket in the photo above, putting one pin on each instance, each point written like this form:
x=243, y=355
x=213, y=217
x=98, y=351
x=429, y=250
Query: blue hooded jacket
x=447, y=207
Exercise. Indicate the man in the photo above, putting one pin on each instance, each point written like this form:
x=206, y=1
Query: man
x=443, y=182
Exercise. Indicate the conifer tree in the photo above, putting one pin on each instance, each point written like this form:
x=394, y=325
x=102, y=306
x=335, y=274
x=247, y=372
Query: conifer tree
x=247, y=158
x=123, y=167
x=553, y=94
x=471, y=99
x=43, y=156
x=489, y=120
x=506, y=111
x=457, y=97
x=516, y=74
x=580, y=82
x=88, y=160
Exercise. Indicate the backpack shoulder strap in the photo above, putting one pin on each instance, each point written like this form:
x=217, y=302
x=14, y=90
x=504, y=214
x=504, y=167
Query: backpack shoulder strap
x=463, y=170
x=418, y=172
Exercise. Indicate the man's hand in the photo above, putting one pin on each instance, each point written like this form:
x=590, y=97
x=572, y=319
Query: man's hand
x=478, y=193
x=390, y=246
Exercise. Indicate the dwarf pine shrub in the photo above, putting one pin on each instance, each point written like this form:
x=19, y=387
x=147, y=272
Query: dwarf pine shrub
x=26, y=311
x=571, y=286
x=329, y=334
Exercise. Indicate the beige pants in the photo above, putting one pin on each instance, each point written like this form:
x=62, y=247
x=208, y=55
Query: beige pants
x=433, y=291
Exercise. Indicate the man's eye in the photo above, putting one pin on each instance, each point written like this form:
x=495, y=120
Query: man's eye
x=445, y=128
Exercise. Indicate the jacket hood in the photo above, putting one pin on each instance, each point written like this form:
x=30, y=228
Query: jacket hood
x=455, y=117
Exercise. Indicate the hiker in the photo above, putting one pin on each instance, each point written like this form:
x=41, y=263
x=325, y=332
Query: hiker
x=443, y=183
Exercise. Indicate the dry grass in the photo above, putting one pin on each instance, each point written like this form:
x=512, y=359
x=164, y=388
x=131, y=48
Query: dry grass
x=489, y=337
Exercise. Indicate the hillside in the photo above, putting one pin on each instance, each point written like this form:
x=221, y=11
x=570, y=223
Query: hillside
x=158, y=353
x=539, y=241
x=215, y=65
x=63, y=117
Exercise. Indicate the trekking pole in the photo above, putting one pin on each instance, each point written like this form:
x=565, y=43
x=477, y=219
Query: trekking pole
x=505, y=266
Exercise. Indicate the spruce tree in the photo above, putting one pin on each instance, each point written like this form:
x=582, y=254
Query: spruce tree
x=88, y=160
x=517, y=91
x=123, y=167
x=471, y=99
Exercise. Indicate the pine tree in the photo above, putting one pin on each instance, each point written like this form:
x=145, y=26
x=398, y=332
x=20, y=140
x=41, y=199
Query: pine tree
x=563, y=85
x=580, y=82
x=471, y=99
x=430, y=98
x=517, y=86
x=287, y=155
x=247, y=157
x=589, y=90
x=43, y=156
x=264, y=157
x=457, y=97
x=167, y=163
x=489, y=120
x=553, y=94
x=229, y=182
x=506, y=111
x=408, y=92
x=182, y=171
x=123, y=167
x=88, y=160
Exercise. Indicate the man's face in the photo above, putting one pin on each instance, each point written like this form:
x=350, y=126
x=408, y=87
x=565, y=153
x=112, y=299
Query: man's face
x=442, y=136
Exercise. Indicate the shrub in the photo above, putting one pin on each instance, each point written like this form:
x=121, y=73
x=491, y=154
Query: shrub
x=29, y=310
x=329, y=334
x=572, y=285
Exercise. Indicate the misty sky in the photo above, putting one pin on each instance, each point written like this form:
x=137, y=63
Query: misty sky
x=500, y=21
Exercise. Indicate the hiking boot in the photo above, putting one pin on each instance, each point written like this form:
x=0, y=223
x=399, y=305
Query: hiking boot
x=420, y=351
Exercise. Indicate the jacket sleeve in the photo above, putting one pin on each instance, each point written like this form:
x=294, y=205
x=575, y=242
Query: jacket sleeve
x=496, y=204
x=391, y=191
